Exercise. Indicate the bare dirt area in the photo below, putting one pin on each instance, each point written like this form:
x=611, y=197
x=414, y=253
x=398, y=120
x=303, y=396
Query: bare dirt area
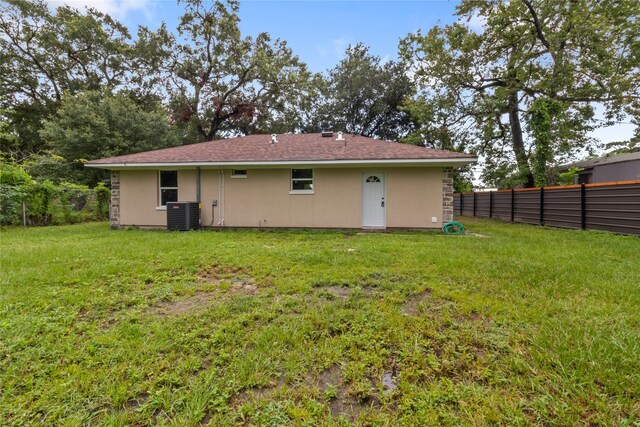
x=220, y=282
x=215, y=273
x=412, y=306
x=194, y=303
x=231, y=279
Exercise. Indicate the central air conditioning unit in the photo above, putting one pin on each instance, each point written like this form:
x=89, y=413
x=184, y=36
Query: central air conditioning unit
x=183, y=216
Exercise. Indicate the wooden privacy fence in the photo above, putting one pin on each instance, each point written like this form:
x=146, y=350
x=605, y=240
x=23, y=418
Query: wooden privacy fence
x=611, y=206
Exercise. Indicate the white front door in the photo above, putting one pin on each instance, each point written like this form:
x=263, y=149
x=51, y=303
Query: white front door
x=373, y=200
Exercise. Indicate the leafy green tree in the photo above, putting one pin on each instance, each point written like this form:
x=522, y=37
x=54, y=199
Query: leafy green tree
x=92, y=125
x=364, y=96
x=295, y=113
x=7, y=138
x=220, y=82
x=570, y=176
x=438, y=124
x=45, y=54
x=571, y=55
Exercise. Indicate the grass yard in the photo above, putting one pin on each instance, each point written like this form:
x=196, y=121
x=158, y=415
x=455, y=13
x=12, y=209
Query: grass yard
x=516, y=325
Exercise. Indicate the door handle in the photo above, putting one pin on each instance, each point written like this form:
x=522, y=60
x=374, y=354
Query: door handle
x=382, y=204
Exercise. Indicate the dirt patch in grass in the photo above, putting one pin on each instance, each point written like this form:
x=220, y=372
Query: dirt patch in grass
x=412, y=306
x=342, y=401
x=333, y=292
x=326, y=380
x=389, y=382
x=238, y=278
x=107, y=323
x=244, y=288
x=159, y=417
x=137, y=401
x=215, y=273
x=205, y=419
x=473, y=317
x=351, y=408
x=336, y=292
x=330, y=388
x=194, y=303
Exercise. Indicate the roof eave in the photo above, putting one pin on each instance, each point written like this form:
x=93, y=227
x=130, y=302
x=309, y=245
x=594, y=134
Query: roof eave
x=447, y=162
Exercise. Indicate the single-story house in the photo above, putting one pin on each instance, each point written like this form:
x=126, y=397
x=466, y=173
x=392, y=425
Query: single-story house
x=621, y=167
x=318, y=180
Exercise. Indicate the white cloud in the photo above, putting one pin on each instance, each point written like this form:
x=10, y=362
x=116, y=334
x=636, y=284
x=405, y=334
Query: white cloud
x=118, y=9
x=334, y=48
x=340, y=45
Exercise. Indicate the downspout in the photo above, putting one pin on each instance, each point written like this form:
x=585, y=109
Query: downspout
x=221, y=197
x=198, y=198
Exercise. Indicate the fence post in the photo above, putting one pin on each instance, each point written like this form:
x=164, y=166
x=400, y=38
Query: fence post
x=583, y=205
x=513, y=204
x=24, y=214
x=541, y=205
x=490, y=204
x=474, y=203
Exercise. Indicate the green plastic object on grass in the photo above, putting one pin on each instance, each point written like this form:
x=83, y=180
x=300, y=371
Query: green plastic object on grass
x=453, y=227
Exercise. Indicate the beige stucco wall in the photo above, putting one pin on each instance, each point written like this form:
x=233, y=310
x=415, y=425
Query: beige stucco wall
x=263, y=200
x=139, y=196
x=413, y=197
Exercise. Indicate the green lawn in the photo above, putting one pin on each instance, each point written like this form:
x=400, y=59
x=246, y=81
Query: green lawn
x=514, y=325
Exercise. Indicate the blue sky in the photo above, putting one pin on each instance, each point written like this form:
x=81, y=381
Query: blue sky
x=318, y=31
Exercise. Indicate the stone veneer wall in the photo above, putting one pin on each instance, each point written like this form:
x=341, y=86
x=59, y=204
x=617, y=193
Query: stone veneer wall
x=447, y=195
x=114, y=208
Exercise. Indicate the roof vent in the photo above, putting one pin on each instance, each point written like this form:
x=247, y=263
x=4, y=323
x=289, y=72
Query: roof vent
x=327, y=134
x=274, y=138
x=340, y=137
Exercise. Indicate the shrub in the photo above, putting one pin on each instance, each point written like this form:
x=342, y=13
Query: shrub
x=48, y=203
x=13, y=191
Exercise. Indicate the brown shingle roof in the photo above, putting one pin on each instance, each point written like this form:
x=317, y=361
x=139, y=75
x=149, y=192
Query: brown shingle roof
x=290, y=147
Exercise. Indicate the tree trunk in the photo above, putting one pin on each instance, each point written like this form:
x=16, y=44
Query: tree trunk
x=203, y=133
x=213, y=129
x=517, y=141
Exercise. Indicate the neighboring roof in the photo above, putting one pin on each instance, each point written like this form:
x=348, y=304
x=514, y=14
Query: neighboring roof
x=586, y=164
x=290, y=148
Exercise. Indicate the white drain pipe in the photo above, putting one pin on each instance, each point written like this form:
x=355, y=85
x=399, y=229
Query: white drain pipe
x=220, y=197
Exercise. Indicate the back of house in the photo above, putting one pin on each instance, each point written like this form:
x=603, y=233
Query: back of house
x=320, y=180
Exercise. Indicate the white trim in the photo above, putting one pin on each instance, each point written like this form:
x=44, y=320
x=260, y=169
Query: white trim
x=161, y=208
x=291, y=179
x=160, y=187
x=403, y=162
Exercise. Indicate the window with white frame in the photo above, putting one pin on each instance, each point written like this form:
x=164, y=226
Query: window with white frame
x=302, y=180
x=239, y=173
x=168, y=189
